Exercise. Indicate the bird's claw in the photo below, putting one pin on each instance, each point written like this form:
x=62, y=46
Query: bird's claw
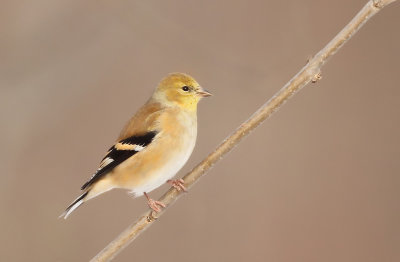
x=178, y=184
x=155, y=205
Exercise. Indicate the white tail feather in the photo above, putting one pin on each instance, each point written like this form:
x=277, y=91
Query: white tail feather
x=77, y=202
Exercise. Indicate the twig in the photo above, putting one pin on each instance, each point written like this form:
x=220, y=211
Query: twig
x=309, y=73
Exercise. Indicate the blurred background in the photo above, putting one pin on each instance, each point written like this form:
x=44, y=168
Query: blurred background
x=319, y=181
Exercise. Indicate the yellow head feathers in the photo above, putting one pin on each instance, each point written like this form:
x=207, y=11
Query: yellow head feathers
x=181, y=90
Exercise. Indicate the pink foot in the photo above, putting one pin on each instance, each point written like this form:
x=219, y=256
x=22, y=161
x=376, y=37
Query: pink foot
x=154, y=204
x=178, y=184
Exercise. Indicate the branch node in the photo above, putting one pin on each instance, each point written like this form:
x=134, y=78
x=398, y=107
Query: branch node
x=316, y=77
x=151, y=218
x=377, y=4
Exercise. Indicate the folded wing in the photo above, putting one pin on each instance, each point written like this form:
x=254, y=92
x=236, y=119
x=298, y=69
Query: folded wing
x=120, y=152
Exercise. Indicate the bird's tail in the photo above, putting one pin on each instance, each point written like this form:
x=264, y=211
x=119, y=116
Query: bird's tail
x=77, y=202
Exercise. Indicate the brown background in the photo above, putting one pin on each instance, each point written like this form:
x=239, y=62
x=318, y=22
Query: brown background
x=319, y=181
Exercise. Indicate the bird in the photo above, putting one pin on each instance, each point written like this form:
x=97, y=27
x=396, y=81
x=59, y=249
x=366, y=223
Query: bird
x=153, y=146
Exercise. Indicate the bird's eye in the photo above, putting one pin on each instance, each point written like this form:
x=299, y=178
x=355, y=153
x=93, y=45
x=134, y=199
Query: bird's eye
x=185, y=88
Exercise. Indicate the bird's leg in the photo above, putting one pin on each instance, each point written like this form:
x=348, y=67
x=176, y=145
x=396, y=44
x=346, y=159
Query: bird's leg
x=154, y=204
x=178, y=184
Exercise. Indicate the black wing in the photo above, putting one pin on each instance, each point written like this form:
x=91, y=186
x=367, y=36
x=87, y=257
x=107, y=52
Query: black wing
x=120, y=152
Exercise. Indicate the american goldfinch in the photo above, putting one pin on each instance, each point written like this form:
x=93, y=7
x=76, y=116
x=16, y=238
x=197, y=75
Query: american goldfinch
x=153, y=146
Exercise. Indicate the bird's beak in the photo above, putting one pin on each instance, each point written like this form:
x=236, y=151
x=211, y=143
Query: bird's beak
x=203, y=93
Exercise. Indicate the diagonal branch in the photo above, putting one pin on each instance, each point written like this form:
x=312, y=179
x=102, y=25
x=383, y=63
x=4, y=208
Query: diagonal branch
x=309, y=73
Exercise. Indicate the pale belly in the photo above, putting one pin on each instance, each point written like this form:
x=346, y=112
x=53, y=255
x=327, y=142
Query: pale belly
x=156, y=177
x=159, y=162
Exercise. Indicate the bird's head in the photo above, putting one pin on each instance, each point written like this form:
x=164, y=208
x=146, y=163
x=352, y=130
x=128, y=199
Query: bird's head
x=181, y=90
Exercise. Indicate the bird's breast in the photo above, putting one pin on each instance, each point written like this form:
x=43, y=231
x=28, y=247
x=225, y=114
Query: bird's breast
x=165, y=156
